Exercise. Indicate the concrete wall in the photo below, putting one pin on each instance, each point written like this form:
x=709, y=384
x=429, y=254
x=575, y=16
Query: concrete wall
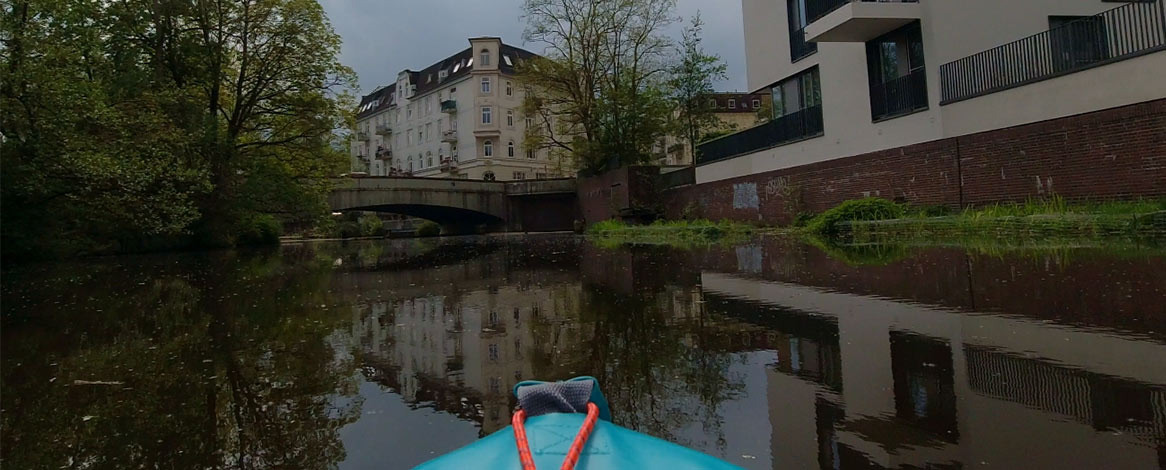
x=1116, y=153
x=951, y=30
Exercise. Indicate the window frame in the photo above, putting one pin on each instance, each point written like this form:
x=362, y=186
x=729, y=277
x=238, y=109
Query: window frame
x=487, y=115
x=488, y=148
x=485, y=85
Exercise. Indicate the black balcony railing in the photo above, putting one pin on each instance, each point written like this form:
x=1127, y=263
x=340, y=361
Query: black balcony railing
x=899, y=96
x=798, y=46
x=816, y=9
x=791, y=127
x=1127, y=31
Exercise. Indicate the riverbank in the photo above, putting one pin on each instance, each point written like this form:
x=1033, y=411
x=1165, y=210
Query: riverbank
x=679, y=233
x=1039, y=220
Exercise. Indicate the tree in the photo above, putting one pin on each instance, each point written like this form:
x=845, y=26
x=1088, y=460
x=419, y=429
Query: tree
x=597, y=95
x=146, y=120
x=691, y=85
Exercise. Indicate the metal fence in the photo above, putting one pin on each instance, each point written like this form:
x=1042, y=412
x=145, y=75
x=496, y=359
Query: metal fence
x=794, y=126
x=1120, y=33
x=899, y=96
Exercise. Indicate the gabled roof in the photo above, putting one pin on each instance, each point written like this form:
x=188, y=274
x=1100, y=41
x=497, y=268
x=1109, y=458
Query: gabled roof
x=374, y=102
x=430, y=78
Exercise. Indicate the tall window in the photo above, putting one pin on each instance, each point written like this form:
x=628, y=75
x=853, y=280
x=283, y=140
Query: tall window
x=798, y=46
x=509, y=88
x=484, y=58
x=529, y=121
x=429, y=130
x=895, y=68
x=510, y=149
x=485, y=85
x=519, y=175
x=510, y=118
x=487, y=115
x=530, y=154
x=796, y=93
x=488, y=149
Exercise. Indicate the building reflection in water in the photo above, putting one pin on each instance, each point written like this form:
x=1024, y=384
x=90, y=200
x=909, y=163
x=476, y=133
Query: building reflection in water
x=851, y=377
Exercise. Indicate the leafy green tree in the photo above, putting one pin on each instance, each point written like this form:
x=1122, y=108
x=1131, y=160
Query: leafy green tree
x=691, y=85
x=157, y=119
x=597, y=95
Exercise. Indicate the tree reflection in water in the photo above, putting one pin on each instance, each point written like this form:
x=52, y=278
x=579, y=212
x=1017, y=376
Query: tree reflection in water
x=220, y=363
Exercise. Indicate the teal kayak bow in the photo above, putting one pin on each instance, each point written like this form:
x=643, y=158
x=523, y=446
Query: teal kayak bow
x=568, y=425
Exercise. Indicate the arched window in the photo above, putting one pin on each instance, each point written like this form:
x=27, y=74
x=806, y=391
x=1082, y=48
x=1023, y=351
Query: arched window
x=510, y=149
x=509, y=118
x=485, y=58
x=488, y=149
x=488, y=176
x=428, y=158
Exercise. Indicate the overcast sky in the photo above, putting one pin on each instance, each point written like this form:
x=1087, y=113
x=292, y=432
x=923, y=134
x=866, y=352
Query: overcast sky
x=383, y=37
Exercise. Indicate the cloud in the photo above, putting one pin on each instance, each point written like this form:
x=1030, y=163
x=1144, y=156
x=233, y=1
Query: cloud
x=383, y=37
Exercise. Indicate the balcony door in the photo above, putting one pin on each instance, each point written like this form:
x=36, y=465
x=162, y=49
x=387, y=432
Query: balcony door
x=1077, y=41
x=897, y=73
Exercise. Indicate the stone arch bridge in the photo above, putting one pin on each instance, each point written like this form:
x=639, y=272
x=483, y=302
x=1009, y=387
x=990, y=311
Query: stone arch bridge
x=463, y=205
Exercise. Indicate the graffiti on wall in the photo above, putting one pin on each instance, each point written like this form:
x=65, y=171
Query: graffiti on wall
x=745, y=196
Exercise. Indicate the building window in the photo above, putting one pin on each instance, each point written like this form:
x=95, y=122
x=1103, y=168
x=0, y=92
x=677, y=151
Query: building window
x=1077, y=41
x=509, y=118
x=429, y=130
x=488, y=176
x=519, y=175
x=794, y=94
x=713, y=103
x=510, y=149
x=898, y=80
x=486, y=115
x=429, y=159
x=529, y=122
x=509, y=88
x=485, y=85
x=732, y=103
x=540, y=176
x=798, y=46
x=530, y=154
x=488, y=149
x=485, y=58
x=409, y=137
x=756, y=103
x=453, y=151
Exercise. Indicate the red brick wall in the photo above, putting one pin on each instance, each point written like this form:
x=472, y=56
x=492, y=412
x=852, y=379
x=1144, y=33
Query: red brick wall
x=1113, y=153
x=604, y=196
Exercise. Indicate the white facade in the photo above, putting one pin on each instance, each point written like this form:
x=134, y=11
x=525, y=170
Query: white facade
x=948, y=31
x=459, y=118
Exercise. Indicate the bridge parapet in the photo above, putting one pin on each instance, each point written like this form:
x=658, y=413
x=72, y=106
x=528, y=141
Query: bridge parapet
x=533, y=187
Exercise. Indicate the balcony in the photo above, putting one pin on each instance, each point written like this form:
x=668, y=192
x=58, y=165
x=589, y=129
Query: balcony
x=449, y=136
x=903, y=95
x=362, y=136
x=1128, y=31
x=449, y=106
x=384, y=153
x=384, y=129
x=792, y=127
x=447, y=164
x=857, y=20
x=799, y=48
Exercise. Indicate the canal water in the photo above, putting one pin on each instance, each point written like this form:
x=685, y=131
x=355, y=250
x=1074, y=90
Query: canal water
x=773, y=353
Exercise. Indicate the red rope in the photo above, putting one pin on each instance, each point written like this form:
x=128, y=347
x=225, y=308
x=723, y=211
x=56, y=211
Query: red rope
x=576, y=447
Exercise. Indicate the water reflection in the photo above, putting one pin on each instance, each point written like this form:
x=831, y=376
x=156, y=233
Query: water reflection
x=772, y=354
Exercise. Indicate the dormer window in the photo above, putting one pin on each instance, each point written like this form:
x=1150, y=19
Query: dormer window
x=485, y=57
x=506, y=58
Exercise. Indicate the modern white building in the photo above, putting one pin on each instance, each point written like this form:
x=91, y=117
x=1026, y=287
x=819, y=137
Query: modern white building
x=850, y=77
x=457, y=118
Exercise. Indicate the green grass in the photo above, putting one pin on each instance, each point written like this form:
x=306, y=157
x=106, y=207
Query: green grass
x=1038, y=219
x=678, y=233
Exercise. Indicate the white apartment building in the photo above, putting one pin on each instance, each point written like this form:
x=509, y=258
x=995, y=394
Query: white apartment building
x=457, y=118
x=850, y=77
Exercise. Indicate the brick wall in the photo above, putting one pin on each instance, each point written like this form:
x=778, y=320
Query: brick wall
x=607, y=195
x=1113, y=153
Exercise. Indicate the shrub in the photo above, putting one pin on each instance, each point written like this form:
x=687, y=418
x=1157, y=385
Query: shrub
x=428, y=229
x=932, y=211
x=370, y=225
x=802, y=219
x=258, y=229
x=871, y=208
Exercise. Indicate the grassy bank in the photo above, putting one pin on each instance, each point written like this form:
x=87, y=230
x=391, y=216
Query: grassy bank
x=679, y=233
x=1050, y=219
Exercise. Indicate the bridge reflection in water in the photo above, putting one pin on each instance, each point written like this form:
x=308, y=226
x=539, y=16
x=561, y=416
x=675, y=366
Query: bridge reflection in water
x=775, y=355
